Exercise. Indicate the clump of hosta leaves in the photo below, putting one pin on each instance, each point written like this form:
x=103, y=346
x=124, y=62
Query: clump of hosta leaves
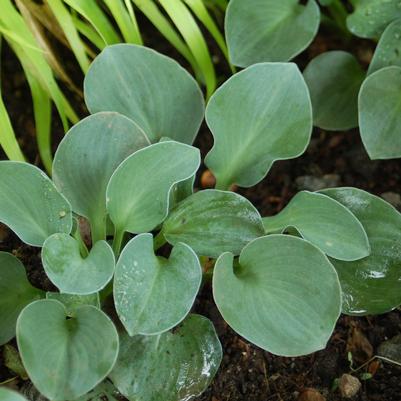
x=345, y=95
x=121, y=318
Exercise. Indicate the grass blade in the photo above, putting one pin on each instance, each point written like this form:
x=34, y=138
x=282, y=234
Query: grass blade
x=192, y=35
x=64, y=19
x=131, y=12
x=163, y=25
x=42, y=108
x=127, y=25
x=90, y=10
x=199, y=9
x=8, y=141
x=188, y=28
x=88, y=31
x=38, y=66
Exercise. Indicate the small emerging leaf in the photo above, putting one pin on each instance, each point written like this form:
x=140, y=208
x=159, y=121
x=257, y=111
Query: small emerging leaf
x=174, y=366
x=260, y=115
x=30, y=203
x=324, y=222
x=153, y=294
x=212, y=222
x=284, y=295
x=15, y=293
x=380, y=113
x=12, y=361
x=66, y=357
x=269, y=30
x=151, y=89
x=138, y=192
x=334, y=79
x=70, y=272
x=88, y=156
x=371, y=285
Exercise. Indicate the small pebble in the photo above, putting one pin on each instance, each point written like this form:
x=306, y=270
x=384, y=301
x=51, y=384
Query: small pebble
x=391, y=349
x=310, y=394
x=311, y=183
x=208, y=180
x=349, y=385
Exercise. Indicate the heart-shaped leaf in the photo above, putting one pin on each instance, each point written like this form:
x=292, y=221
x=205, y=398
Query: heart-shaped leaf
x=380, y=113
x=10, y=395
x=15, y=293
x=388, y=50
x=153, y=294
x=66, y=356
x=371, y=285
x=70, y=272
x=87, y=157
x=174, y=366
x=269, y=30
x=324, y=222
x=151, y=89
x=338, y=74
x=259, y=115
x=138, y=191
x=30, y=203
x=283, y=295
x=72, y=301
x=371, y=17
x=212, y=222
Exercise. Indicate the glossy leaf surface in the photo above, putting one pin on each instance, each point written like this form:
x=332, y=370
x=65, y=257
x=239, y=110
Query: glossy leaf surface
x=88, y=156
x=371, y=17
x=70, y=272
x=259, y=115
x=138, y=192
x=292, y=294
x=174, y=366
x=388, y=50
x=66, y=357
x=380, y=113
x=371, y=285
x=269, y=30
x=151, y=89
x=334, y=79
x=153, y=294
x=212, y=222
x=15, y=293
x=30, y=203
x=324, y=222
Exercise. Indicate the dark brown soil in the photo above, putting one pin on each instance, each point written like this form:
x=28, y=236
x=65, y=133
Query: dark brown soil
x=248, y=373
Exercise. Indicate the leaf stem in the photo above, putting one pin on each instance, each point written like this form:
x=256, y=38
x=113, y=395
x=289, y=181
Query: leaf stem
x=222, y=184
x=98, y=229
x=117, y=241
x=106, y=292
x=339, y=13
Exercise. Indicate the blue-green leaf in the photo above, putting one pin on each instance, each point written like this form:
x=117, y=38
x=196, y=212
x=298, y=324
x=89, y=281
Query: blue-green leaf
x=153, y=294
x=30, y=203
x=151, y=89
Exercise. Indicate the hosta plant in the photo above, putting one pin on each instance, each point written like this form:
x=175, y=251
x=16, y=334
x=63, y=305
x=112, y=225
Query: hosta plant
x=345, y=95
x=120, y=312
